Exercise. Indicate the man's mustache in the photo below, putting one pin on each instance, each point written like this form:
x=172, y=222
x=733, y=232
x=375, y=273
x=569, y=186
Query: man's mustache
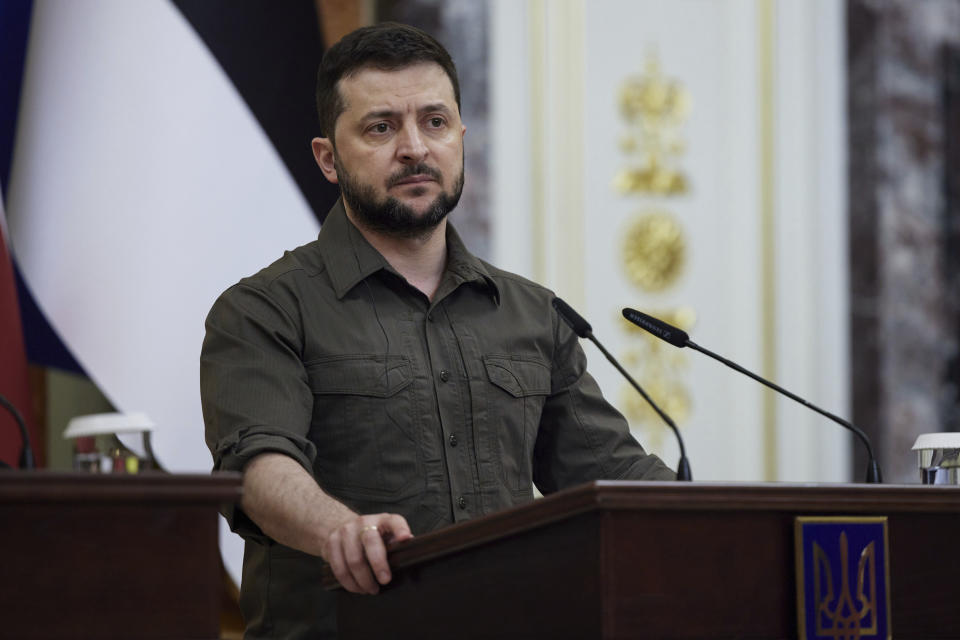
x=413, y=170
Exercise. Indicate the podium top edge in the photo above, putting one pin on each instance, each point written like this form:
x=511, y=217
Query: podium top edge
x=44, y=487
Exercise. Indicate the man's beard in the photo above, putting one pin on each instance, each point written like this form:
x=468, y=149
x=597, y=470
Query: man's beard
x=390, y=216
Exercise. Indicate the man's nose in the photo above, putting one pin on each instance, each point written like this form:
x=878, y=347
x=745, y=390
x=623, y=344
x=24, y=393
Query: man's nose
x=411, y=147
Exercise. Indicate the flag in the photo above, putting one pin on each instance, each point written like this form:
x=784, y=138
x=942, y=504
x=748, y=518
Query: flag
x=14, y=383
x=143, y=184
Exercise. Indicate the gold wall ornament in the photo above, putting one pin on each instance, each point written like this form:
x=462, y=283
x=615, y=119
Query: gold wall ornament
x=650, y=178
x=670, y=395
x=654, y=108
x=660, y=378
x=654, y=251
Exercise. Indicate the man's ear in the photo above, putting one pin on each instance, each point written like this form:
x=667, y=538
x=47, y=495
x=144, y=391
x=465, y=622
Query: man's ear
x=323, y=154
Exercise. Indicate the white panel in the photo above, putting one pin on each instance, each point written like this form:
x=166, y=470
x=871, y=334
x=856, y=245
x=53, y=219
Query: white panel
x=510, y=120
x=563, y=152
x=811, y=266
x=733, y=326
x=794, y=206
x=832, y=274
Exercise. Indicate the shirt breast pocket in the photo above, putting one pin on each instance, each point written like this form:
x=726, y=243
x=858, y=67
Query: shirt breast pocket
x=364, y=425
x=519, y=387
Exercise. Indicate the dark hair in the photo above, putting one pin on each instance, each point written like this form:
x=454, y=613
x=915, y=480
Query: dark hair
x=386, y=46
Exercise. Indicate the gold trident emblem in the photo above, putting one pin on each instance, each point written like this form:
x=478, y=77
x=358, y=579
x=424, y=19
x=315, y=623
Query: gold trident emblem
x=847, y=616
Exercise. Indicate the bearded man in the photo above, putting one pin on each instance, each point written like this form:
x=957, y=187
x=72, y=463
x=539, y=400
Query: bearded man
x=382, y=381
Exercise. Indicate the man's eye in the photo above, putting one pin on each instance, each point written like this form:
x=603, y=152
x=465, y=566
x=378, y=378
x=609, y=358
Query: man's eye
x=436, y=122
x=380, y=127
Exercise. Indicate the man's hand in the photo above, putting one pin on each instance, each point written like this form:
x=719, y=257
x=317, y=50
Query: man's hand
x=357, y=552
x=289, y=506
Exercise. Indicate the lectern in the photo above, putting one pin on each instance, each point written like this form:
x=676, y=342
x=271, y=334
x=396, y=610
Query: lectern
x=655, y=560
x=111, y=556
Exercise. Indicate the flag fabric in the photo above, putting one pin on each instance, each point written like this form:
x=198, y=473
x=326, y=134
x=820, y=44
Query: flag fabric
x=14, y=383
x=143, y=184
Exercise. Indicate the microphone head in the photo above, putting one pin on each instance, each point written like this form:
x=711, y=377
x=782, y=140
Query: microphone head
x=580, y=326
x=659, y=328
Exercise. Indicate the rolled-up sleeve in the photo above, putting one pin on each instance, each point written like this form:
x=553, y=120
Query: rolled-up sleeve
x=253, y=386
x=582, y=437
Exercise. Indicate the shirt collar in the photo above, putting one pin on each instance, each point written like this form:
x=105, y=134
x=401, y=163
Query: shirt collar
x=350, y=259
x=466, y=267
x=348, y=256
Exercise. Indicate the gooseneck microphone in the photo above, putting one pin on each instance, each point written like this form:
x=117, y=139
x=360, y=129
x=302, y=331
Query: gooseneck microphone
x=26, y=455
x=679, y=338
x=583, y=329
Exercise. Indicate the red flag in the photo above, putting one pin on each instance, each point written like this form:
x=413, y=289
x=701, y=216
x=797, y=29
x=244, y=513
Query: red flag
x=14, y=384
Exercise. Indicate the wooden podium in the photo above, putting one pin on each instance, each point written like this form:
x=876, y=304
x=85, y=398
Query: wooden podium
x=111, y=556
x=655, y=560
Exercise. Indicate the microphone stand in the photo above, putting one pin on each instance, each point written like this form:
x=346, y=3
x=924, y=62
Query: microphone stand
x=679, y=338
x=26, y=455
x=683, y=467
x=583, y=329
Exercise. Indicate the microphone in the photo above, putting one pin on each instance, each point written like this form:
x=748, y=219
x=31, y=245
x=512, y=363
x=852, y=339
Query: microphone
x=26, y=455
x=583, y=329
x=679, y=338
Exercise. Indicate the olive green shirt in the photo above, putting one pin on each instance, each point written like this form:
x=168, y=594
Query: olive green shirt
x=440, y=410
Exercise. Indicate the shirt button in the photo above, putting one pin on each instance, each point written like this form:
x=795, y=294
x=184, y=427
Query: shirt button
x=462, y=502
x=453, y=440
x=444, y=375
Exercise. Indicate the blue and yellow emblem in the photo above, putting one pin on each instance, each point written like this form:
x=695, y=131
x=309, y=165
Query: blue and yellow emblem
x=843, y=578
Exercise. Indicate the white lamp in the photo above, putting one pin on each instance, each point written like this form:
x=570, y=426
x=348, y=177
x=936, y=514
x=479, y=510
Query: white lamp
x=939, y=457
x=131, y=429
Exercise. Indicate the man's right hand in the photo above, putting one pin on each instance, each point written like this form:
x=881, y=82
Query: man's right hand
x=288, y=505
x=356, y=550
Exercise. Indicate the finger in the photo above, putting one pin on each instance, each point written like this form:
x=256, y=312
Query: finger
x=356, y=559
x=338, y=565
x=376, y=553
x=394, y=527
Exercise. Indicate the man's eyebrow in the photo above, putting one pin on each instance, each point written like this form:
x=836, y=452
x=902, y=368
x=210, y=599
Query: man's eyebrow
x=438, y=106
x=391, y=113
x=380, y=113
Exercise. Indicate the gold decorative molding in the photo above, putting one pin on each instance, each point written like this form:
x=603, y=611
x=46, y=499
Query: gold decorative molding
x=670, y=395
x=766, y=24
x=654, y=245
x=654, y=251
x=654, y=107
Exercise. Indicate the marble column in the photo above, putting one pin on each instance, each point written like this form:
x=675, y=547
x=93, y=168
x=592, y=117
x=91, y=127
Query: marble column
x=904, y=219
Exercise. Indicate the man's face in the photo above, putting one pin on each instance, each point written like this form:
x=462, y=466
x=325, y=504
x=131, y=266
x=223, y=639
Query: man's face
x=399, y=149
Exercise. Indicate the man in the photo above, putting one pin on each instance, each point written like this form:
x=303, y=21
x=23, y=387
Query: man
x=382, y=381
